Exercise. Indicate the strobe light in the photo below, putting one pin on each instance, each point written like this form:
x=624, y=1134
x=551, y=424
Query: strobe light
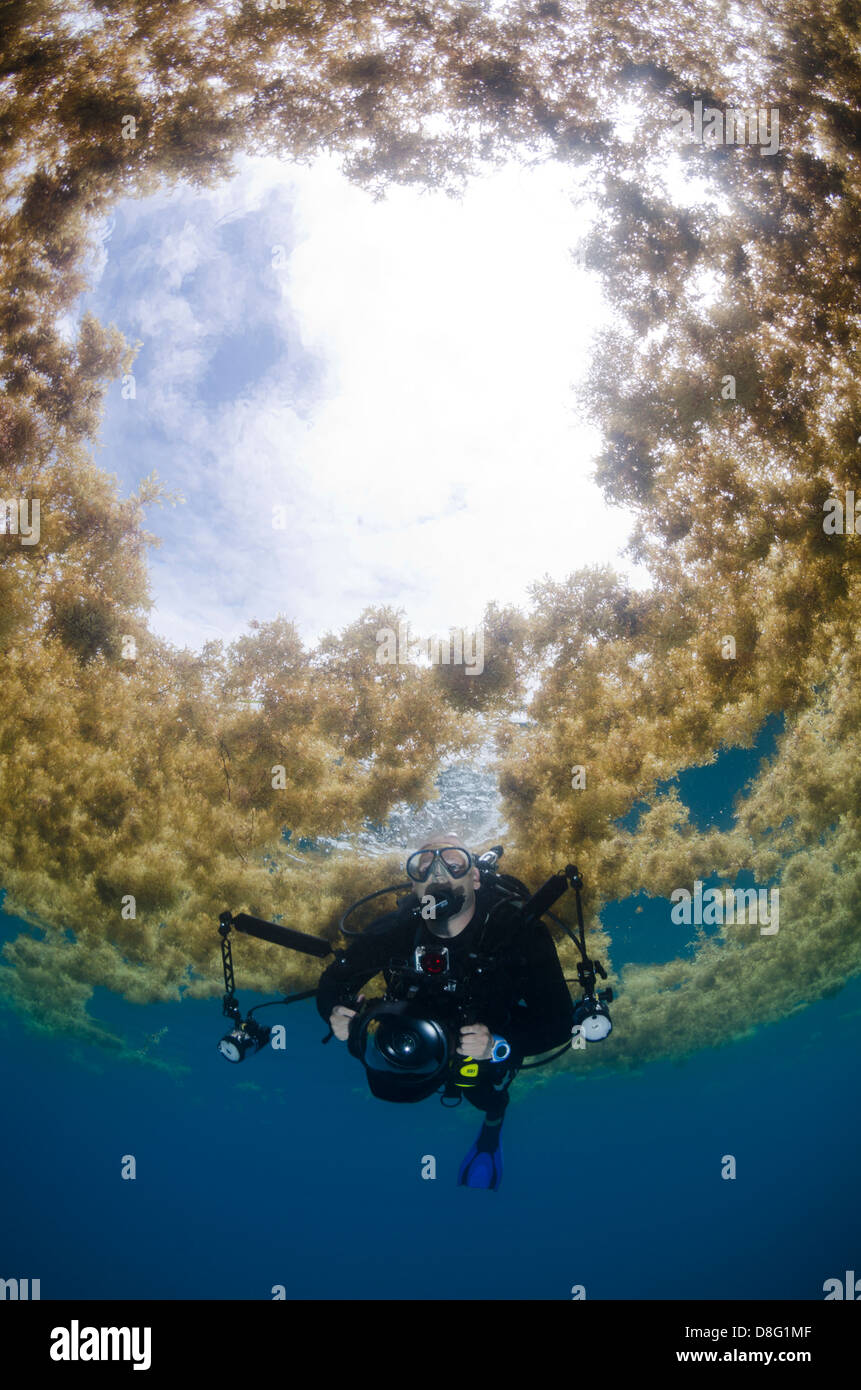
x=591, y=1015
x=591, y=1020
x=248, y=1038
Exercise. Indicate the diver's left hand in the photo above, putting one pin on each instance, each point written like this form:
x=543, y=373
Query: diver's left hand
x=476, y=1041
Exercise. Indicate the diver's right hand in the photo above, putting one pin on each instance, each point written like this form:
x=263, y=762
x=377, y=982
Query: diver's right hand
x=339, y=1019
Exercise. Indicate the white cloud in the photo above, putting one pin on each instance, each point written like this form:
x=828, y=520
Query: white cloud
x=442, y=466
x=455, y=331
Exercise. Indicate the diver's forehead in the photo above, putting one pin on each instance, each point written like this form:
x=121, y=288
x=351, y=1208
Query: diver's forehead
x=437, y=842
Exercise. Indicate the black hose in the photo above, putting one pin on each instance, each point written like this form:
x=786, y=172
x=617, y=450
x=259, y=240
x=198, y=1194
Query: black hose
x=288, y=999
x=369, y=897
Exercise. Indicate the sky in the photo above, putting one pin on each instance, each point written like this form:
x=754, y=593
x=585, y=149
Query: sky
x=362, y=403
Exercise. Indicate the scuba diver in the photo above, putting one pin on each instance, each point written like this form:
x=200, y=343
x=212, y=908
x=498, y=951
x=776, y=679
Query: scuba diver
x=461, y=939
x=473, y=986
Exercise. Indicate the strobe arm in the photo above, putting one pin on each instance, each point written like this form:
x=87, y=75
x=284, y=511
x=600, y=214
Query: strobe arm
x=546, y=896
x=247, y=1035
x=229, y=1007
x=278, y=935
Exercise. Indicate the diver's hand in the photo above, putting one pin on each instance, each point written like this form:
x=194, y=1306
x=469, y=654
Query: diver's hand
x=339, y=1019
x=476, y=1041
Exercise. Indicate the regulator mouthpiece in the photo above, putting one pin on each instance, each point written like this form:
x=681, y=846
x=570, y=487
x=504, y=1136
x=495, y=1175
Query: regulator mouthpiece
x=446, y=903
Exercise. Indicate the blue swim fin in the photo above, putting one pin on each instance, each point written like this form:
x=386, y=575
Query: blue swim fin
x=482, y=1166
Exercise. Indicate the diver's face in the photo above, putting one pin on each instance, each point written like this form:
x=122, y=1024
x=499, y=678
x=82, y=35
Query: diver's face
x=443, y=875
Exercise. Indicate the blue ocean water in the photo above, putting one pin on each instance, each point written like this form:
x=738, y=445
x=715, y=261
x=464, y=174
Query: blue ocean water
x=284, y=1171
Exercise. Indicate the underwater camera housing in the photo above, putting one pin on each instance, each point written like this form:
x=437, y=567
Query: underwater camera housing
x=407, y=1040
x=405, y=1046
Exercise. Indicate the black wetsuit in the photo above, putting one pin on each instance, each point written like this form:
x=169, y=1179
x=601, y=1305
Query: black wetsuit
x=522, y=997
